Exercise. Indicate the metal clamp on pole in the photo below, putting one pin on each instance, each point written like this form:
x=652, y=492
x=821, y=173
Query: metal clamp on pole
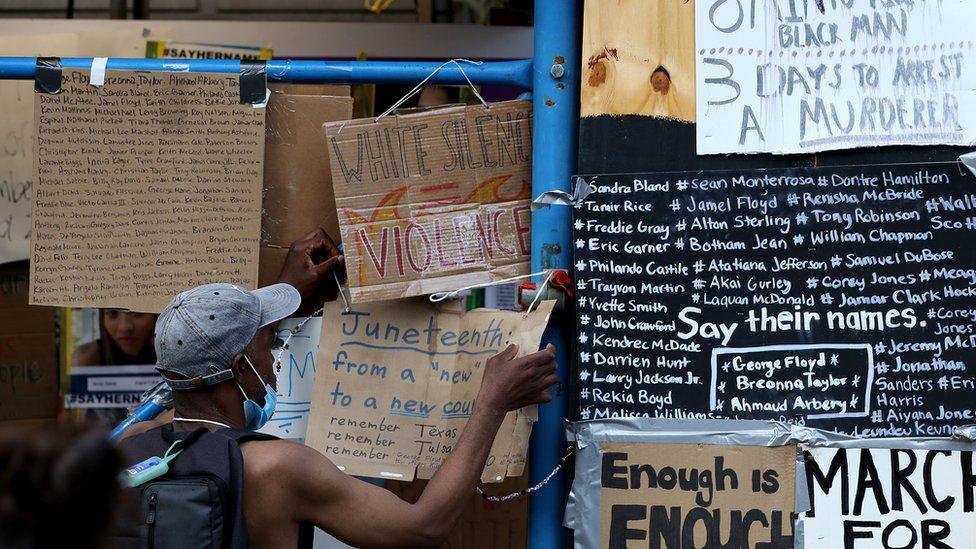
x=558, y=287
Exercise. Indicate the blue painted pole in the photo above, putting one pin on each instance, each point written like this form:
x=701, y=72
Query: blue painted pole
x=507, y=73
x=555, y=96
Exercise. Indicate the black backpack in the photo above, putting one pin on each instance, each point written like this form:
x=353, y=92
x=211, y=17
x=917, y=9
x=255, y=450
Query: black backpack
x=198, y=503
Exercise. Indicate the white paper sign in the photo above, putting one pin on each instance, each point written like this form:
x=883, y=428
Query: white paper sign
x=875, y=499
x=780, y=76
x=295, y=379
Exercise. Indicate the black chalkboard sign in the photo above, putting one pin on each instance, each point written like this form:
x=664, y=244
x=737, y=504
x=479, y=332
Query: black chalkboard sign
x=843, y=298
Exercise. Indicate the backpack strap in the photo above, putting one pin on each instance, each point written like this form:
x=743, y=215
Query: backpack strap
x=241, y=436
x=188, y=437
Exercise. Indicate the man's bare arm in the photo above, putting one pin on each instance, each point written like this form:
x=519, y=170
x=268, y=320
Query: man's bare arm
x=364, y=515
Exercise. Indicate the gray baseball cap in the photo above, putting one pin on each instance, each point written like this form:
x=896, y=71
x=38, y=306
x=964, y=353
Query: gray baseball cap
x=201, y=331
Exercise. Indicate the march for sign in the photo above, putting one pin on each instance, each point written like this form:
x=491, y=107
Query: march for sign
x=862, y=497
x=841, y=298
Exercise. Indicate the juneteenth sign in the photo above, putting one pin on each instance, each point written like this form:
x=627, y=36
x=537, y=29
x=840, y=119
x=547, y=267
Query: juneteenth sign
x=433, y=200
x=864, y=498
x=678, y=496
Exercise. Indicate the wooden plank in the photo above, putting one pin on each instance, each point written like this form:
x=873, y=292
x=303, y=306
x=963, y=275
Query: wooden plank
x=639, y=58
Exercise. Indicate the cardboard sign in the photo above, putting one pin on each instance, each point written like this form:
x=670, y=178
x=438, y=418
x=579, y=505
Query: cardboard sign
x=873, y=498
x=674, y=496
x=28, y=352
x=297, y=177
x=399, y=381
x=801, y=77
x=144, y=187
x=433, y=200
x=17, y=123
x=295, y=379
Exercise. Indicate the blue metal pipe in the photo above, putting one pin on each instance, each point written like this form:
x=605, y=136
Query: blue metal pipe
x=506, y=73
x=555, y=96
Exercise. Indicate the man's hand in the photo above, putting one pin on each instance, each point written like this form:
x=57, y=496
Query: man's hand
x=511, y=383
x=312, y=266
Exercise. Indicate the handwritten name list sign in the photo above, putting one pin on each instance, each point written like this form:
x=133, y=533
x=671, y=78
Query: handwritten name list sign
x=842, y=298
x=396, y=384
x=784, y=76
x=17, y=121
x=144, y=187
x=434, y=200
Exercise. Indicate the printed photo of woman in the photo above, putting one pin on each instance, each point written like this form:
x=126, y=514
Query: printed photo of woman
x=124, y=338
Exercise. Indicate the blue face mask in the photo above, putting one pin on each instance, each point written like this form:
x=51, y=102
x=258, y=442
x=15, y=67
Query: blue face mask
x=256, y=416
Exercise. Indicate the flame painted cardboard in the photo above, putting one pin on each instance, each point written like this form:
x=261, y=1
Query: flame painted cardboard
x=433, y=200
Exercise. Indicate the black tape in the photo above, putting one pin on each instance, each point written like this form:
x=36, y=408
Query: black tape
x=47, y=75
x=254, y=81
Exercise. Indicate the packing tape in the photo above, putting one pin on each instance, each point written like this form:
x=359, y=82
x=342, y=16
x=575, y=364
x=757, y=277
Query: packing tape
x=47, y=75
x=98, y=71
x=263, y=104
x=563, y=198
x=254, y=82
x=176, y=67
x=969, y=160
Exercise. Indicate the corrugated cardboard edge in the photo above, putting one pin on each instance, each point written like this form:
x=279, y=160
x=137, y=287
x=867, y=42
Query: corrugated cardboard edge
x=427, y=286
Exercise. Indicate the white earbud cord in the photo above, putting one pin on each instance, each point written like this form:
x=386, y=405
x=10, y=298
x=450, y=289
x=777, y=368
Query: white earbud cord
x=194, y=420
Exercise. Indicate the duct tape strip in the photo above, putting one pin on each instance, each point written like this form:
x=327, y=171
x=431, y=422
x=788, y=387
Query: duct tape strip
x=47, y=75
x=583, y=508
x=563, y=198
x=254, y=82
x=98, y=71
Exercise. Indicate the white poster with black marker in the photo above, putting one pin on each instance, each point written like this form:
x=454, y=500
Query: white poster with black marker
x=882, y=498
x=799, y=76
x=296, y=376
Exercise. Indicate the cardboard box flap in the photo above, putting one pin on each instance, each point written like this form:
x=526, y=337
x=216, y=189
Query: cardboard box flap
x=298, y=194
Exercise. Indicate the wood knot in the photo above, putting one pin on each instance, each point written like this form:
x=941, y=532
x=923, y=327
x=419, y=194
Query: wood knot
x=598, y=74
x=661, y=80
x=597, y=65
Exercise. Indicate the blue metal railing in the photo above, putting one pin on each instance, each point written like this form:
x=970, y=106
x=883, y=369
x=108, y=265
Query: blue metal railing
x=555, y=96
x=508, y=73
